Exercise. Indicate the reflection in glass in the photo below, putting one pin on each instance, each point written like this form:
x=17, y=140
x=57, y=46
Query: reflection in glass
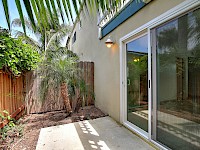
x=137, y=90
x=178, y=82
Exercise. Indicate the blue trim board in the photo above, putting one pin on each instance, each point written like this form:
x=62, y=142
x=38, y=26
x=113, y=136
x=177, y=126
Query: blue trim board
x=126, y=13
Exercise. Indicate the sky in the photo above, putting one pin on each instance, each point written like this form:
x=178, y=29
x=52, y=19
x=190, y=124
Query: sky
x=139, y=45
x=14, y=14
x=12, y=10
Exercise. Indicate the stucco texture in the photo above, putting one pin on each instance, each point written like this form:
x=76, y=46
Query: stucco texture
x=107, y=61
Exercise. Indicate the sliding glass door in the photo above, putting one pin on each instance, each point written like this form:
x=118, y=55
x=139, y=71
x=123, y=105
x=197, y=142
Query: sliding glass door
x=174, y=83
x=178, y=82
x=137, y=82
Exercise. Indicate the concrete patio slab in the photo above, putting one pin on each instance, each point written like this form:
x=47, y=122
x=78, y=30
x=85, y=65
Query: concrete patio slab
x=101, y=134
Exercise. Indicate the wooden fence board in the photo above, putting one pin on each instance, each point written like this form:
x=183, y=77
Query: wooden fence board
x=24, y=90
x=33, y=103
x=53, y=101
x=17, y=114
x=11, y=93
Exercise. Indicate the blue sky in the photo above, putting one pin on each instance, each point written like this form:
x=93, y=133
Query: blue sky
x=139, y=45
x=14, y=13
x=12, y=10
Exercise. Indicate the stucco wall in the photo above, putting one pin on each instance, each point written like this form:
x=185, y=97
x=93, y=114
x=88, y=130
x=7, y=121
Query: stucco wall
x=107, y=61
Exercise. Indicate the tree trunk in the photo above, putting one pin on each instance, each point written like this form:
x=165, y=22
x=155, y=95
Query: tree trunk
x=65, y=96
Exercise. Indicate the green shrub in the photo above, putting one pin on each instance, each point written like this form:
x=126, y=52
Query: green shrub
x=9, y=126
x=16, y=56
x=10, y=131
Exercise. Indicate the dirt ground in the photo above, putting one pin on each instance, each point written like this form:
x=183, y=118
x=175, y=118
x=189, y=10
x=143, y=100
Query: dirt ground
x=34, y=122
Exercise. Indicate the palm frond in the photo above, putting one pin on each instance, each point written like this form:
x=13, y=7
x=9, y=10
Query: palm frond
x=41, y=15
x=6, y=12
x=51, y=15
x=18, y=23
x=61, y=68
x=35, y=10
x=57, y=37
x=70, y=10
x=66, y=9
x=29, y=12
x=60, y=10
x=43, y=11
x=54, y=9
x=38, y=9
x=75, y=5
x=19, y=8
x=26, y=39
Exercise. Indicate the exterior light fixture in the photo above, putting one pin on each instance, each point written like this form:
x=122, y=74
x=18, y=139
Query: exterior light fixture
x=109, y=42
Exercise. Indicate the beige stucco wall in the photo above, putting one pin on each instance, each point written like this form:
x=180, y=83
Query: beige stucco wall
x=107, y=61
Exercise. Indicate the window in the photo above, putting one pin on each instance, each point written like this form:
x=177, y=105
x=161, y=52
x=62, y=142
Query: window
x=74, y=37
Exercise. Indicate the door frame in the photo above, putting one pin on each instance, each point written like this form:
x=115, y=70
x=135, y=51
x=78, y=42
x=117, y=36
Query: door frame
x=125, y=120
x=170, y=14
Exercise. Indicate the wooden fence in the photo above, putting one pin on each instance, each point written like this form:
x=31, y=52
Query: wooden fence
x=87, y=74
x=15, y=93
x=54, y=101
x=11, y=94
x=34, y=104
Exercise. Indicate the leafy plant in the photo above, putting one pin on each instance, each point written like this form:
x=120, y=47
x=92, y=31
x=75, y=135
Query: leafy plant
x=83, y=91
x=9, y=126
x=16, y=56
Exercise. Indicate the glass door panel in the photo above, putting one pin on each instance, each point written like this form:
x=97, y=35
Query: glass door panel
x=178, y=82
x=137, y=82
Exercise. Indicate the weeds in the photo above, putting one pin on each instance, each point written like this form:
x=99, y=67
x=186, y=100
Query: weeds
x=10, y=131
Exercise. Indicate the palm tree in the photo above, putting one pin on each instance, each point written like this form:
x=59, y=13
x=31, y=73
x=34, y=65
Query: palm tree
x=59, y=72
x=58, y=65
x=45, y=37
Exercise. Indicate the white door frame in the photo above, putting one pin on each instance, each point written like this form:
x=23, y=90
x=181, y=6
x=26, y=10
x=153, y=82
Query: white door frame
x=125, y=121
x=170, y=14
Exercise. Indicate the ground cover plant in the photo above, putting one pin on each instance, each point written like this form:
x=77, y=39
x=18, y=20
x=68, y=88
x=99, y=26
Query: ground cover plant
x=10, y=131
